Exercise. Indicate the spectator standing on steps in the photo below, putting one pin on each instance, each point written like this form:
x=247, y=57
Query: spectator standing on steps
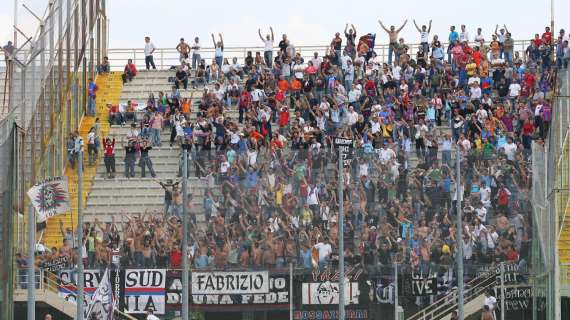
x=268, y=44
x=145, y=159
x=130, y=158
x=196, y=53
x=92, y=92
x=156, y=128
x=219, y=47
x=184, y=49
x=109, y=158
x=168, y=191
x=149, y=49
x=92, y=146
x=424, y=37
x=393, y=35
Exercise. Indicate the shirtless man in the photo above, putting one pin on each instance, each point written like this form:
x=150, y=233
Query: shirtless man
x=221, y=256
x=393, y=35
x=269, y=255
x=184, y=49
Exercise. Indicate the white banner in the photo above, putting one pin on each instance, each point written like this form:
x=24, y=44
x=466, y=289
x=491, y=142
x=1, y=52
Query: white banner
x=328, y=293
x=50, y=198
x=145, y=289
x=230, y=282
x=101, y=306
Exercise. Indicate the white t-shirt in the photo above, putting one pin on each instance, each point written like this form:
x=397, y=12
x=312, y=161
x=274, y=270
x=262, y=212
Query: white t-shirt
x=325, y=250
x=312, y=198
x=485, y=193
x=152, y=317
x=148, y=48
x=538, y=110
x=351, y=118
x=317, y=62
x=196, y=48
x=481, y=213
x=268, y=44
x=479, y=38
x=386, y=154
x=424, y=36
x=482, y=115
x=510, y=150
x=475, y=92
x=344, y=62
x=224, y=166
x=514, y=89
x=464, y=36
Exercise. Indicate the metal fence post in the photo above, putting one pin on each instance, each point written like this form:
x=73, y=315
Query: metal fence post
x=31, y=263
x=80, y=290
x=185, y=291
x=340, y=237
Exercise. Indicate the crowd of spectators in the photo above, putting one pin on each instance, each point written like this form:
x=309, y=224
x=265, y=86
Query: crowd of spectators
x=272, y=196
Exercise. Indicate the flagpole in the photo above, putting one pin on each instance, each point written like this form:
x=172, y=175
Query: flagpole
x=31, y=263
x=185, y=291
x=79, y=295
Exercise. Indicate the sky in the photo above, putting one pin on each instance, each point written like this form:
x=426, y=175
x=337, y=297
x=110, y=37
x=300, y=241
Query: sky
x=305, y=22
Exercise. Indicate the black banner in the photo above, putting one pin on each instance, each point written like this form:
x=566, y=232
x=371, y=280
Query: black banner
x=56, y=264
x=518, y=301
x=423, y=285
x=276, y=297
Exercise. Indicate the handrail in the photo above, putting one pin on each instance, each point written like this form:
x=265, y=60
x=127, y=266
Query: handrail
x=164, y=58
x=123, y=314
x=449, y=302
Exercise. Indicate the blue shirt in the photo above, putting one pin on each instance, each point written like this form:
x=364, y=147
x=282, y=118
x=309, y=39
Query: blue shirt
x=430, y=114
x=306, y=258
x=92, y=89
x=438, y=53
x=251, y=179
x=453, y=36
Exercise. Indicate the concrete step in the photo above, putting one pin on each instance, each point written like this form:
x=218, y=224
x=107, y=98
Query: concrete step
x=196, y=191
x=102, y=217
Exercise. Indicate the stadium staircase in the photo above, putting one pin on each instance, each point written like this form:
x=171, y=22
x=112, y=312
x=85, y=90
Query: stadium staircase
x=115, y=197
x=46, y=292
x=110, y=87
x=474, y=299
x=562, y=180
x=564, y=240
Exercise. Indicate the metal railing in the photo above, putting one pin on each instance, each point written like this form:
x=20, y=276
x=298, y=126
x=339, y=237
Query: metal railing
x=448, y=303
x=43, y=280
x=165, y=58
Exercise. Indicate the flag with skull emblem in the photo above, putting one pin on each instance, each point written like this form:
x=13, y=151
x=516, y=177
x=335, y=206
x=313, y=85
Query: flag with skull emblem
x=50, y=197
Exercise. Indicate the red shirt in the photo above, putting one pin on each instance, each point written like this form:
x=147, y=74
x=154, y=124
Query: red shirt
x=175, y=258
x=512, y=255
x=256, y=135
x=132, y=68
x=276, y=144
x=529, y=80
x=370, y=88
x=528, y=128
x=110, y=148
x=547, y=37
x=283, y=118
